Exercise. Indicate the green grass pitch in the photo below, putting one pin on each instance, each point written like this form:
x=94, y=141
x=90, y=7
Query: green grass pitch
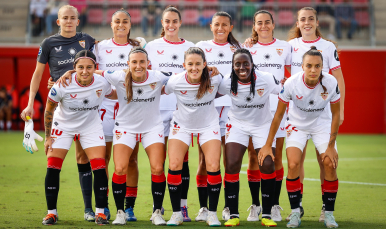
x=361, y=200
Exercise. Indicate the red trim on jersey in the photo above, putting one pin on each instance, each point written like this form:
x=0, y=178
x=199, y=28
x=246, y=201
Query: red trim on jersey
x=334, y=68
x=221, y=111
x=221, y=44
x=110, y=93
x=52, y=100
x=282, y=100
x=307, y=85
x=119, y=44
x=147, y=76
x=245, y=83
x=186, y=77
x=266, y=44
x=332, y=102
x=92, y=81
x=316, y=40
x=175, y=43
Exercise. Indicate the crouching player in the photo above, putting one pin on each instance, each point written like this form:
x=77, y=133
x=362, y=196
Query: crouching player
x=77, y=118
x=310, y=90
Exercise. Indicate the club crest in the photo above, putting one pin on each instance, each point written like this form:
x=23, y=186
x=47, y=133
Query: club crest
x=279, y=51
x=175, y=131
x=233, y=48
x=82, y=43
x=153, y=85
x=210, y=90
x=260, y=92
x=99, y=92
x=324, y=95
x=53, y=139
x=289, y=133
x=118, y=134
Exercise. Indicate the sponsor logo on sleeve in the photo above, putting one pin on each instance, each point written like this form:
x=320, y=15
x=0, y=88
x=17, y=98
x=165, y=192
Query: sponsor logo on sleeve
x=40, y=51
x=53, y=92
x=282, y=90
x=336, y=55
x=82, y=43
x=276, y=81
x=167, y=73
x=110, y=71
x=337, y=90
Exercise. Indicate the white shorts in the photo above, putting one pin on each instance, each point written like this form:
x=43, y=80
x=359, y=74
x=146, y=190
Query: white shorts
x=210, y=133
x=166, y=116
x=281, y=131
x=298, y=138
x=223, y=117
x=107, y=113
x=92, y=138
x=155, y=135
x=241, y=135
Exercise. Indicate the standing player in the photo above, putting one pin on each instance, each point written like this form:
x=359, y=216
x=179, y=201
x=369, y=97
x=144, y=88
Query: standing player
x=218, y=52
x=269, y=55
x=250, y=116
x=196, y=116
x=167, y=54
x=76, y=117
x=311, y=92
x=138, y=120
x=59, y=51
x=302, y=36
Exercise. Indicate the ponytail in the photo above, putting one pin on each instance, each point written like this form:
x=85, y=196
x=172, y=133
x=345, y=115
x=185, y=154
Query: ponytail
x=169, y=8
x=254, y=35
x=205, y=82
x=235, y=78
x=230, y=39
x=314, y=52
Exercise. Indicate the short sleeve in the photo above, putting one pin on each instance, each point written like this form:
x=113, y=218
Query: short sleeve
x=108, y=88
x=335, y=95
x=164, y=76
x=285, y=94
x=334, y=61
x=274, y=84
x=95, y=51
x=171, y=84
x=222, y=89
x=55, y=94
x=91, y=41
x=288, y=58
x=44, y=52
x=113, y=77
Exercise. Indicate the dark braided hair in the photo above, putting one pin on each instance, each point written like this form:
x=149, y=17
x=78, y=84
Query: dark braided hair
x=205, y=82
x=314, y=52
x=128, y=76
x=254, y=35
x=235, y=78
x=132, y=42
x=231, y=39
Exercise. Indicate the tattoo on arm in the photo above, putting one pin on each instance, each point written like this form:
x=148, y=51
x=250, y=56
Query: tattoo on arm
x=48, y=116
x=332, y=139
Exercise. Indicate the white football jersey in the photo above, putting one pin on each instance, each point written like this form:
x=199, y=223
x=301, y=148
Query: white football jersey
x=219, y=56
x=167, y=56
x=309, y=103
x=194, y=115
x=248, y=109
x=78, y=105
x=272, y=57
x=142, y=113
x=327, y=48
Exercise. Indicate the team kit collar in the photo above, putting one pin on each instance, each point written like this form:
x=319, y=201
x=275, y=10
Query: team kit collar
x=316, y=40
x=174, y=43
x=266, y=44
x=112, y=39
x=220, y=44
x=92, y=81
x=307, y=85
x=246, y=83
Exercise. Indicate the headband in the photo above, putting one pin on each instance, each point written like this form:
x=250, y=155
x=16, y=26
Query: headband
x=84, y=57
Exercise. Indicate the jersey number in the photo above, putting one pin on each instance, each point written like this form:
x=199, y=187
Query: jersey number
x=103, y=113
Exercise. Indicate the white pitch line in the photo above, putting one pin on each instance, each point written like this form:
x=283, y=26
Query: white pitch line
x=343, y=182
x=340, y=159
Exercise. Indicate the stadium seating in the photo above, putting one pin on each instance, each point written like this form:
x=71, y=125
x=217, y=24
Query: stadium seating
x=190, y=16
x=95, y=16
x=363, y=18
x=286, y=18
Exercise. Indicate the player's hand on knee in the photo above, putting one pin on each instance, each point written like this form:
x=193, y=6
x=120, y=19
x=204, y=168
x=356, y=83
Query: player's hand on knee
x=30, y=136
x=48, y=145
x=50, y=83
x=263, y=153
x=333, y=155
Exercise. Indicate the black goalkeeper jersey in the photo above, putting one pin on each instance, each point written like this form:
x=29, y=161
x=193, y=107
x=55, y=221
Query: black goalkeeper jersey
x=59, y=52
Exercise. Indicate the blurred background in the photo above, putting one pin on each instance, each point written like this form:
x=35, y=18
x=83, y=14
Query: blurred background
x=361, y=39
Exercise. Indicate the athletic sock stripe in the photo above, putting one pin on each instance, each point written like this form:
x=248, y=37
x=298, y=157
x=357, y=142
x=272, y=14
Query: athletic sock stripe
x=232, y=177
x=131, y=191
x=98, y=163
x=293, y=185
x=214, y=179
x=174, y=179
x=279, y=174
x=158, y=178
x=202, y=180
x=54, y=163
x=119, y=179
x=253, y=175
x=268, y=176
x=331, y=186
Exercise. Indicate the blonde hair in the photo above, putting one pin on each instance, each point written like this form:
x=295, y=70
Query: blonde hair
x=68, y=7
x=296, y=33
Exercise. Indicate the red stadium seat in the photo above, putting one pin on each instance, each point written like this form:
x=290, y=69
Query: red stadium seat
x=95, y=2
x=286, y=18
x=208, y=13
x=135, y=16
x=190, y=17
x=360, y=1
x=363, y=18
x=110, y=13
x=95, y=16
